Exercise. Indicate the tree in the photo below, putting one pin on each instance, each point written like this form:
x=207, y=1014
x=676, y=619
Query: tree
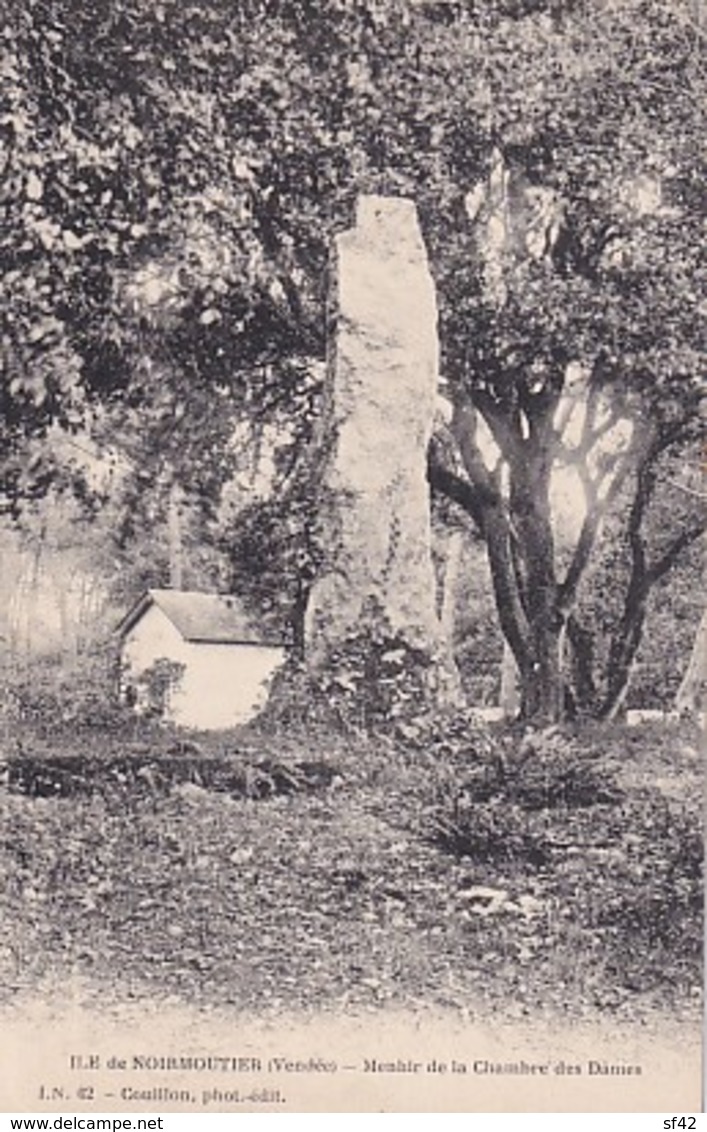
x=645, y=573
x=578, y=318
x=141, y=293
x=174, y=176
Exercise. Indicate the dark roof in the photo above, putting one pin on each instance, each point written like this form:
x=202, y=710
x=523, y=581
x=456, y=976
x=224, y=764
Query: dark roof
x=211, y=618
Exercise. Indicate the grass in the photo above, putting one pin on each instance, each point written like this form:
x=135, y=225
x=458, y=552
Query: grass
x=348, y=898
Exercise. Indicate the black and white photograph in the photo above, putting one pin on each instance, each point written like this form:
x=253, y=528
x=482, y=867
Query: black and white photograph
x=352, y=513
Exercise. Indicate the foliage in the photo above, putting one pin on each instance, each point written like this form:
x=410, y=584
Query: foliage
x=157, y=684
x=498, y=809
x=488, y=834
x=151, y=237
x=173, y=177
x=335, y=899
x=273, y=554
x=375, y=681
x=46, y=697
x=633, y=565
x=637, y=857
x=122, y=778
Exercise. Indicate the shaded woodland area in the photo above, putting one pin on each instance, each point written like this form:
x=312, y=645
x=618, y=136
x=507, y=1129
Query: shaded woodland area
x=173, y=182
x=174, y=178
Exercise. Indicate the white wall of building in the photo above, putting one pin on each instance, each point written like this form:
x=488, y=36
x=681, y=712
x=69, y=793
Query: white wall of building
x=222, y=685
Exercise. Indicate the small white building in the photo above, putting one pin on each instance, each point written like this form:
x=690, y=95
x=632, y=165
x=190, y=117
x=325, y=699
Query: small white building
x=218, y=663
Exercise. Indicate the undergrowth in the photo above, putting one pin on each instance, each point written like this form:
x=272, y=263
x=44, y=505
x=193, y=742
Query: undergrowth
x=405, y=864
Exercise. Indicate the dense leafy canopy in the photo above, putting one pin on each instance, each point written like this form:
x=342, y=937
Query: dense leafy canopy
x=173, y=174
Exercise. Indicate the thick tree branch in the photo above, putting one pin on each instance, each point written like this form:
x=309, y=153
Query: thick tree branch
x=504, y=424
x=670, y=556
x=567, y=591
x=463, y=427
x=581, y=640
x=627, y=638
x=593, y=437
x=590, y=412
x=639, y=565
x=488, y=510
x=456, y=489
x=511, y=613
x=563, y=414
x=596, y=512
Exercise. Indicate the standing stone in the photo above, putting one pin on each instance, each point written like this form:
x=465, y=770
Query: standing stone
x=377, y=575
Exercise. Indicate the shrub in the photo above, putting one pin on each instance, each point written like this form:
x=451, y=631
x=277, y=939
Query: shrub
x=552, y=768
x=51, y=694
x=654, y=889
x=372, y=680
x=492, y=802
x=623, y=873
x=156, y=685
x=493, y=833
x=131, y=774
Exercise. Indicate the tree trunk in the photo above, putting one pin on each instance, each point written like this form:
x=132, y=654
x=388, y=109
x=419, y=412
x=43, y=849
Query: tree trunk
x=582, y=682
x=526, y=598
x=176, y=548
x=627, y=637
x=509, y=605
x=622, y=656
x=542, y=680
x=517, y=529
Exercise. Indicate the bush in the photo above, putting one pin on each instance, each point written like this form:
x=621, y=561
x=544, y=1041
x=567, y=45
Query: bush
x=50, y=694
x=552, y=768
x=654, y=888
x=493, y=833
x=515, y=777
x=134, y=774
x=623, y=873
x=372, y=680
x=156, y=685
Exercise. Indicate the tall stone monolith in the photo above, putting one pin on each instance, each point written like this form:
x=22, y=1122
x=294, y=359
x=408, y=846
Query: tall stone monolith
x=377, y=577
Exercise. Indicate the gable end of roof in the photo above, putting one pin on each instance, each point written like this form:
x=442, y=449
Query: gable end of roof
x=202, y=618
